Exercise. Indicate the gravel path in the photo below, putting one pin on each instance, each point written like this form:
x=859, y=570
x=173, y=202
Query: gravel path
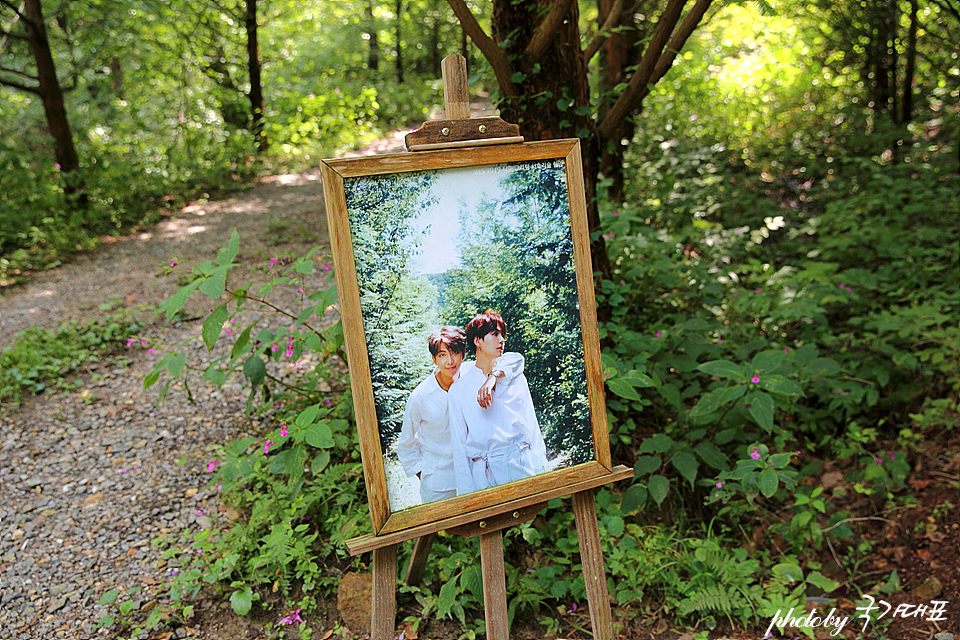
x=91, y=478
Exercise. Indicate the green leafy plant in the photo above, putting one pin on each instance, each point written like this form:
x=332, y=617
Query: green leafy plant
x=41, y=359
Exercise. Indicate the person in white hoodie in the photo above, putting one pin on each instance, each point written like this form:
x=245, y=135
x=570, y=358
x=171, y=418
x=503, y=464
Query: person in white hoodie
x=500, y=442
x=424, y=447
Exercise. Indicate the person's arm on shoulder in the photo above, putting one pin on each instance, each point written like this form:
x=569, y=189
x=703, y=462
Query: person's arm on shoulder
x=408, y=445
x=505, y=368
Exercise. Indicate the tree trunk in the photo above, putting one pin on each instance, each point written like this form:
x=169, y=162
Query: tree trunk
x=556, y=89
x=256, y=86
x=373, y=54
x=907, y=112
x=398, y=63
x=618, y=52
x=49, y=87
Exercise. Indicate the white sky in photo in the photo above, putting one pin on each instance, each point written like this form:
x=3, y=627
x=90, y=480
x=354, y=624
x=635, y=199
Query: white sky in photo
x=455, y=189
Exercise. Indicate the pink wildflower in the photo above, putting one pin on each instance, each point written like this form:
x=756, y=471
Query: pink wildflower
x=879, y=460
x=756, y=290
x=720, y=341
x=212, y=465
x=755, y=453
x=283, y=431
x=151, y=351
x=131, y=342
x=274, y=347
x=755, y=379
x=719, y=485
x=656, y=335
x=267, y=445
x=288, y=353
x=892, y=457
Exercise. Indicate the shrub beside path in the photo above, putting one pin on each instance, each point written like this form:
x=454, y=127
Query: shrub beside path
x=91, y=479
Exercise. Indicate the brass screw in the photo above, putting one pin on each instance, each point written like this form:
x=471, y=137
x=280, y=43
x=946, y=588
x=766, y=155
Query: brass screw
x=483, y=524
x=483, y=128
x=516, y=514
x=445, y=131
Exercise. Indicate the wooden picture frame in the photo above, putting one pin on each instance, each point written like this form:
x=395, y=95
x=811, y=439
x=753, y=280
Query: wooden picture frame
x=360, y=186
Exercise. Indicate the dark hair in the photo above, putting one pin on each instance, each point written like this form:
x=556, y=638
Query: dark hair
x=450, y=336
x=482, y=325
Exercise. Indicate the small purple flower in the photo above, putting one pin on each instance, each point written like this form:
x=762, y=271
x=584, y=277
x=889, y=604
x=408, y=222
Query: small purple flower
x=878, y=460
x=656, y=335
x=267, y=445
x=616, y=213
x=151, y=351
x=131, y=342
x=755, y=453
x=283, y=431
x=755, y=379
x=786, y=349
x=288, y=353
x=720, y=341
x=212, y=465
x=892, y=457
x=756, y=290
x=299, y=290
x=849, y=289
x=719, y=485
x=173, y=264
x=199, y=513
x=842, y=286
x=736, y=295
x=274, y=347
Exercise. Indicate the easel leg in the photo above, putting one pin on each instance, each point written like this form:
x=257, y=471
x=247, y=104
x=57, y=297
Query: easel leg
x=418, y=560
x=591, y=557
x=383, y=613
x=494, y=585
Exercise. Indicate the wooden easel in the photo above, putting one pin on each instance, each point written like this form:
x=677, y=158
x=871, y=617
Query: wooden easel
x=460, y=130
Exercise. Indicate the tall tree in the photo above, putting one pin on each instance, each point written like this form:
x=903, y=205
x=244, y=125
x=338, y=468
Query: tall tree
x=256, y=86
x=41, y=80
x=544, y=74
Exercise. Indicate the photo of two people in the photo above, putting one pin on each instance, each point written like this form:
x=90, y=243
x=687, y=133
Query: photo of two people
x=468, y=293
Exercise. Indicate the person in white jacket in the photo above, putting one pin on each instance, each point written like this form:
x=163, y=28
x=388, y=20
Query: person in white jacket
x=501, y=442
x=424, y=446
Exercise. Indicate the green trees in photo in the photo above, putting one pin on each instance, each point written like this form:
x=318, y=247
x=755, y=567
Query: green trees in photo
x=516, y=259
x=399, y=307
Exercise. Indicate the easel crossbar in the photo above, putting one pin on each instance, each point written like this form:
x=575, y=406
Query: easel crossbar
x=370, y=541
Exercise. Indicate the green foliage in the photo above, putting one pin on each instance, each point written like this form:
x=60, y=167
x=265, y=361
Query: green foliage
x=298, y=483
x=40, y=359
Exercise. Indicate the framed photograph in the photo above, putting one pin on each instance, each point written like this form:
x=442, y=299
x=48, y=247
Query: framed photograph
x=466, y=292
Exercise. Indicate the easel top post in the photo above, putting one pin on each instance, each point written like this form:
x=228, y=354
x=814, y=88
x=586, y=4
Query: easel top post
x=456, y=97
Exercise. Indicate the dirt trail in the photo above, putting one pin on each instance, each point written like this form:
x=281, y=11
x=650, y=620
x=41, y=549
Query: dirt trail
x=91, y=478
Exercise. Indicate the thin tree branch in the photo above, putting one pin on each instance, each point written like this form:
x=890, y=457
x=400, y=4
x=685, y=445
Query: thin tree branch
x=948, y=8
x=679, y=39
x=496, y=56
x=612, y=19
x=17, y=85
x=624, y=104
x=13, y=7
x=22, y=74
x=548, y=28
